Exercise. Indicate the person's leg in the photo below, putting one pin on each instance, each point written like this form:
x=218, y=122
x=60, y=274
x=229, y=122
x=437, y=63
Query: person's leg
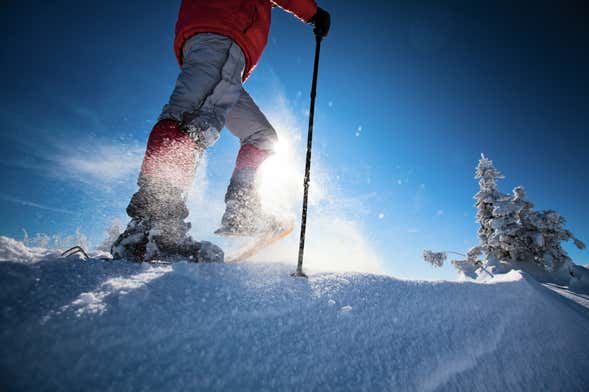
x=246, y=121
x=208, y=86
x=243, y=213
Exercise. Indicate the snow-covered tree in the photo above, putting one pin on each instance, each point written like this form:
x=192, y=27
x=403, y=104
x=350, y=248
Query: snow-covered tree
x=112, y=234
x=435, y=258
x=511, y=233
x=41, y=241
x=25, y=238
x=58, y=242
x=80, y=239
x=505, y=241
x=488, y=198
x=542, y=233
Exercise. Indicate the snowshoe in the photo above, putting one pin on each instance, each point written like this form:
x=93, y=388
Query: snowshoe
x=144, y=241
x=260, y=241
x=157, y=230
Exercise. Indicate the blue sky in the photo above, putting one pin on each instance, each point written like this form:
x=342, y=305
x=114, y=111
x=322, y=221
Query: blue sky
x=409, y=96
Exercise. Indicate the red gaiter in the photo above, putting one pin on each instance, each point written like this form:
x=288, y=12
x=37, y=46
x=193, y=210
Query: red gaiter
x=170, y=156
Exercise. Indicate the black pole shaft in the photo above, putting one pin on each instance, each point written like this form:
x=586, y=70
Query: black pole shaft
x=299, y=271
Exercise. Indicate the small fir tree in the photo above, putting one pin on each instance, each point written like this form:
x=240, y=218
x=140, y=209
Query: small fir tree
x=487, y=198
x=511, y=233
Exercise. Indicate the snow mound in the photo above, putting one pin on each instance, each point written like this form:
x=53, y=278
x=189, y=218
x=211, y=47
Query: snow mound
x=13, y=250
x=91, y=325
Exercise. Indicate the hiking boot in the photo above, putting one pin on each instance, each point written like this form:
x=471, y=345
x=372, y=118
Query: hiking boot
x=144, y=240
x=243, y=208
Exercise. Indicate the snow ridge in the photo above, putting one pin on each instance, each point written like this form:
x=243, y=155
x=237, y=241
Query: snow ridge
x=96, y=325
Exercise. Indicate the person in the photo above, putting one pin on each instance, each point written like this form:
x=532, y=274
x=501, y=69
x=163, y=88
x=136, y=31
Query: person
x=218, y=44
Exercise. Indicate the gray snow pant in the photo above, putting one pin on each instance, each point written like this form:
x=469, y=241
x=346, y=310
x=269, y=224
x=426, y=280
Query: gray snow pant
x=209, y=94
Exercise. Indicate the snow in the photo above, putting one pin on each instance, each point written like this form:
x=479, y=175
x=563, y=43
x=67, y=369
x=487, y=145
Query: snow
x=11, y=249
x=98, y=325
x=578, y=297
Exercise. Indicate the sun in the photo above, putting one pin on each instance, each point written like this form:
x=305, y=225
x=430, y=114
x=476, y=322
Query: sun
x=280, y=179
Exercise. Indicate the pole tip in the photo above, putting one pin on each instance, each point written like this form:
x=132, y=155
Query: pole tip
x=299, y=274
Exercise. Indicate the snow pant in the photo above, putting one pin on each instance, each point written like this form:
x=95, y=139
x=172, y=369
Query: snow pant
x=208, y=96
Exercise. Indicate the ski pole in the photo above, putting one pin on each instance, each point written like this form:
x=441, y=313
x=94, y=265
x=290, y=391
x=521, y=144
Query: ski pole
x=299, y=271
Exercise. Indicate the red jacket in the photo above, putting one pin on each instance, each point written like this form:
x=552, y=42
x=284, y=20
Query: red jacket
x=247, y=22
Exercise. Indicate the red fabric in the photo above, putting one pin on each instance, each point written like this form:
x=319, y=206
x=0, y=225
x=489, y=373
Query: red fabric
x=170, y=155
x=250, y=156
x=247, y=22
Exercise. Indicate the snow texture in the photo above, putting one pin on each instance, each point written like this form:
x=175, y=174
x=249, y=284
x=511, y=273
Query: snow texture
x=69, y=324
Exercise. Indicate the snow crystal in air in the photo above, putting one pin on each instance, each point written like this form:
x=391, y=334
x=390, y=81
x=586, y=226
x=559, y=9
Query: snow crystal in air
x=346, y=309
